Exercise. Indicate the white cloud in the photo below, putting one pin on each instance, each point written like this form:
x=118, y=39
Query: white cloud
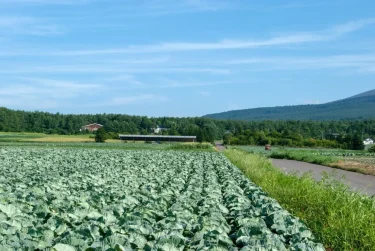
x=147, y=61
x=169, y=83
x=71, y=85
x=312, y=102
x=28, y=26
x=156, y=8
x=228, y=44
x=33, y=103
x=204, y=93
x=306, y=4
x=136, y=99
x=130, y=80
x=352, y=26
x=35, y=93
x=45, y=2
x=33, y=88
x=110, y=69
x=353, y=62
x=14, y=21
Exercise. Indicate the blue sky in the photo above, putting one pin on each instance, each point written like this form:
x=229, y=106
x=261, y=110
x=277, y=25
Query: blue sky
x=182, y=58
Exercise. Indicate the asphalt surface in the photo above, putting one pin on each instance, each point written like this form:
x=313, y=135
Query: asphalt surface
x=356, y=181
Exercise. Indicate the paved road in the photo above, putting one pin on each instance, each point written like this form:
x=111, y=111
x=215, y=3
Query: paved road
x=356, y=181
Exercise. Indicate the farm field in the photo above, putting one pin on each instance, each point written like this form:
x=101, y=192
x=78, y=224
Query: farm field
x=41, y=137
x=117, y=145
x=357, y=161
x=48, y=138
x=76, y=199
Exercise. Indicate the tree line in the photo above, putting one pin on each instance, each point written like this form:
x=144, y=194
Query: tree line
x=289, y=133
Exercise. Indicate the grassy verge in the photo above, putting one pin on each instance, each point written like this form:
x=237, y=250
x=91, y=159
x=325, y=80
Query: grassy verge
x=355, y=164
x=340, y=219
x=305, y=157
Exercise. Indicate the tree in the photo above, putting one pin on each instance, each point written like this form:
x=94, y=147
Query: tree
x=101, y=135
x=200, y=136
x=227, y=138
x=372, y=149
x=358, y=143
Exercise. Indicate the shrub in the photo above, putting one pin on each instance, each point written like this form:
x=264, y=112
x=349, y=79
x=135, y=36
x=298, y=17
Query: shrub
x=101, y=135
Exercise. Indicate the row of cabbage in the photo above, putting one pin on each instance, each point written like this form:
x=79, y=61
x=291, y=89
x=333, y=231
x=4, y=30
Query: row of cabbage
x=90, y=199
x=108, y=145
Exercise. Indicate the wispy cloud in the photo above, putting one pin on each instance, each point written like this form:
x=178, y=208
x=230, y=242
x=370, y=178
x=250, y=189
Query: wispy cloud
x=204, y=93
x=170, y=83
x=72, y=86
x=312, y=102
x=33, y=102
x=306, y=4
x=357, y=62
x=146, y=61
x=136, y=99
x=111, y=69
x=132, y=82
x=157, y=8
x=44, y=93
x=57, y=89
x=46, y=2
x=129, y=80
x=28, y=26
x=352, y=26
x=228, y=44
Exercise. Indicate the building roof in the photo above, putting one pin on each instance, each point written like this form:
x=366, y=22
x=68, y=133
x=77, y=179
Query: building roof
x=158, y=136
x=94, y=124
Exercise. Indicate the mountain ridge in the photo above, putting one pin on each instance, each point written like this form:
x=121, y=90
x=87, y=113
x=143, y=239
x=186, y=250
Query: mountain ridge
x=357, y=107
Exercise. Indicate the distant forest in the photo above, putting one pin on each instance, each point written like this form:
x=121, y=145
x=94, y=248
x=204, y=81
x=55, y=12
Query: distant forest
x=356, y=108
x=333, y=134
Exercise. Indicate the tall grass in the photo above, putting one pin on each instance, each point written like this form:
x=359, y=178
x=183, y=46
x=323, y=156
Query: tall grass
x=342, y=220
x=305, y=157
x=192, y=146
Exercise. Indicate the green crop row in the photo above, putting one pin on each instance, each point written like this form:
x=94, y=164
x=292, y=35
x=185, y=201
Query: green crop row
x=90, y=199
x=86, y=145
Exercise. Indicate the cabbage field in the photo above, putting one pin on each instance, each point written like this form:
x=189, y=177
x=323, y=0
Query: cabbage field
x=95, y=199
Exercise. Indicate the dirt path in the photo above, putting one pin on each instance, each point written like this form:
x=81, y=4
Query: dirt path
x=220, y=147
x=356, y=181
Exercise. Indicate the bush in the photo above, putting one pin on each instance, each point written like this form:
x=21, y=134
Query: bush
x=372, y=149
x=113, y=135
x=192, y=146
x=101, y=135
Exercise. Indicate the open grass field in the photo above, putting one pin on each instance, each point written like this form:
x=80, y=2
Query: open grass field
x=41, y=137
x=357, y=161
x=95, y=199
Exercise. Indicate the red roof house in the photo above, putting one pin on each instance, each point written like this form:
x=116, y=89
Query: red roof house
x=91, y=127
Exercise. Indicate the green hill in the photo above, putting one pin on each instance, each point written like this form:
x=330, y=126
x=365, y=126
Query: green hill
x=358, y=107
